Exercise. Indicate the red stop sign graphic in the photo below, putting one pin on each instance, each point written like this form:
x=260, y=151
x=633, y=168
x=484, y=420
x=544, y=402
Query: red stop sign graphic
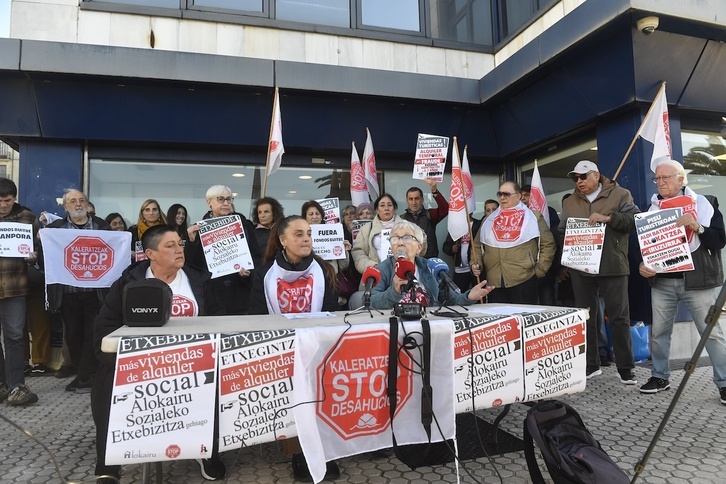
x=355, y=380
x=88, y=258
x=173, y=451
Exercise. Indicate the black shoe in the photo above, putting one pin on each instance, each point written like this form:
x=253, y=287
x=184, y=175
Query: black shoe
x=27, y=369
x=41, y=369
x=71, y=387
x=212, y=468
x=655, y=385
x=605, y=362
x=84, y=386
x=722, y=393
x=332, y=471
x=300, y=468
x=592, y=371
x=66, y=371
x=627, y=377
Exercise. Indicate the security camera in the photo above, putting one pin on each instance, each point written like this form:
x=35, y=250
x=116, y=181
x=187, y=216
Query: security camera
x=647, y=25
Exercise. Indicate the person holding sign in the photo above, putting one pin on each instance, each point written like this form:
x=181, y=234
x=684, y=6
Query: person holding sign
x=294, y=280
x=697, y=289
x=371, y=245
x=515, y=247
x=233, y=289
x=150, y=214
x=599, y=200
x=426, y=218
x=396, y=287
x=193, y=296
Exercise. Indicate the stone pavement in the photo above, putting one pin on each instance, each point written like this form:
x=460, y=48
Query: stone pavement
x=691, y=450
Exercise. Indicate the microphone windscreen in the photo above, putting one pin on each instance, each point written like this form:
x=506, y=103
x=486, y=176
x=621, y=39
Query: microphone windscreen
x=404, y=266
x=437, y=265
x=371, y=271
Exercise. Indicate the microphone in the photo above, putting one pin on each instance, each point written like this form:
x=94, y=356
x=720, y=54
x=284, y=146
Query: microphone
x=405, y=269
x=371, y=276
x=440, y=270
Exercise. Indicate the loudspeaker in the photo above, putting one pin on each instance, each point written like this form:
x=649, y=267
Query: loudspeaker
x=147, y=303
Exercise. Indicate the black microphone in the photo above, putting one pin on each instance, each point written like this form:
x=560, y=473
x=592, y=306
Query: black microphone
x=371, y=275
x=440, y=270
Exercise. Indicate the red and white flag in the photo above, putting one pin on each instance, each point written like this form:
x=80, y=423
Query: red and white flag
x=369, y=167
x=468, y=184
x=656, y=129
x=458, y=222
x=276, y=149
x=537, y=199
x=358, y=188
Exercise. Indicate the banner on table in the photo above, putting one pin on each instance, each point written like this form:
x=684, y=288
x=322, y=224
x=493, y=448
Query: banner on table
x=85, y=258
x=340, y=385
x=225, y=245
x=582, y=246
x=328, y=241
x=16, y=239
x=488, y=364
x=664, y=245
x=255, y=388
x=554, y=353
x=430, y=160
x=331, y=210
x=162, y=407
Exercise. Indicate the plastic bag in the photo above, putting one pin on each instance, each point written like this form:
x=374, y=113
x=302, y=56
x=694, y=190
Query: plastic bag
x=640, y=335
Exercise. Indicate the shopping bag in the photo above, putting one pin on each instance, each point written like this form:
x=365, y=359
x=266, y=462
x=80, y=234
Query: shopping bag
x=640, y=335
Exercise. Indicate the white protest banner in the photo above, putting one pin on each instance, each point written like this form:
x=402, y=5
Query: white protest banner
x=357, y=225
x=343, y=375
x=328, y=241
x=225, y=245
x=139, y=253
x=331, y=207
x=488, y=364
x=16, y=239
x=162, y=406
x=255, y=388
x=85, y=258
x=554, y=353
x=663, y=244
x=582, y=247
x=430, y=160
x=385, y=244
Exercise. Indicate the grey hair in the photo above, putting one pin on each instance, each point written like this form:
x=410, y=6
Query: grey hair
x=66, y=191
x=218, y=191
x=680, y=170
x=417, y=232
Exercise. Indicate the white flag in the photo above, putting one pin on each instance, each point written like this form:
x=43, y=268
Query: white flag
x=537, y=199
x=458, y=222
x=275, y=149
x=656, y=129
x=468, y=183
x=369, y=167
x=358, y=188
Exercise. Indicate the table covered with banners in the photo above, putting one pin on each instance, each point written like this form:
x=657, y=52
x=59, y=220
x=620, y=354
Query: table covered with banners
x=324, y=377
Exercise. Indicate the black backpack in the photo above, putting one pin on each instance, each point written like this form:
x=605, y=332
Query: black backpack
x=571, y=453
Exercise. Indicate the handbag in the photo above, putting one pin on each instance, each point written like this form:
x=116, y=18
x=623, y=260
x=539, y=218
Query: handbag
x=347, y=283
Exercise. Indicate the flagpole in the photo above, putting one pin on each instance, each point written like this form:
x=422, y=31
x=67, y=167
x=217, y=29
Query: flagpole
x=272, y=123
x=468, y=223
x=635, y=138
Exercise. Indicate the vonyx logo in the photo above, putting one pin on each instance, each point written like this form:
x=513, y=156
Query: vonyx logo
x=508, y=225
x=173, y=451
x=88, y=258
x=355, y=383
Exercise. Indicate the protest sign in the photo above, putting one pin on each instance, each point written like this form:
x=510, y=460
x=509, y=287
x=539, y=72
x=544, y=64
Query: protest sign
x=162, y=407
x=554, y=353
x=430, y=160
x=16, y=239
x=225, y=246
x=328, y=241
x=664, y=246
x=255, y=388
x=582, y=247
x=357, y=225
x=331, y=209
x=487, y=362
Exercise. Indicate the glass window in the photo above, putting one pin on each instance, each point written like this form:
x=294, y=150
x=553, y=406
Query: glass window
x=398, y=14
x=246, y=5
x=704, y=157
x=145, y=3
x=468, y=21
x=515, y=13
x=323, y=12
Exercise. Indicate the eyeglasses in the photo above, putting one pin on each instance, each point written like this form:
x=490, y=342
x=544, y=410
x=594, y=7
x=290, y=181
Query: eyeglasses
x=665, y=178
x=222, y=199
x=582, y=176
x=505, y=194
x=406, y=239
x=74, y=201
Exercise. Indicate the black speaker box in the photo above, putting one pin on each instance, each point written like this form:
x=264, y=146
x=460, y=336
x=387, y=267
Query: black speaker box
x=147, y=303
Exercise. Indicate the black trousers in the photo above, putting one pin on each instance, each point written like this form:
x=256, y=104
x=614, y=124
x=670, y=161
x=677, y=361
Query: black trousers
x=525, y=293
x=79, y=311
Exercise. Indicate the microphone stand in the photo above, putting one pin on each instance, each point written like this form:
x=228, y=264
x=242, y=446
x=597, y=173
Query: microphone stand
x=366, y=308
x=451, y=311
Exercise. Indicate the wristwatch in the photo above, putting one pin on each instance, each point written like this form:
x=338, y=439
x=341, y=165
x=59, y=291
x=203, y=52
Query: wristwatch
x=701, y=229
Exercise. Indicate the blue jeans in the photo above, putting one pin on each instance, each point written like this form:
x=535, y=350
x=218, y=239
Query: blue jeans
x=12, y=324
x=665, y=296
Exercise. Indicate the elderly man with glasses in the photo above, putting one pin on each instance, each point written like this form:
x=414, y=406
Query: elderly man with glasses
x=601, y=200
x=697, y=289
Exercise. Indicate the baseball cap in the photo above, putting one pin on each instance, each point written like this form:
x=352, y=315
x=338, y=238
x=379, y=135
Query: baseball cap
x=583, y=167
